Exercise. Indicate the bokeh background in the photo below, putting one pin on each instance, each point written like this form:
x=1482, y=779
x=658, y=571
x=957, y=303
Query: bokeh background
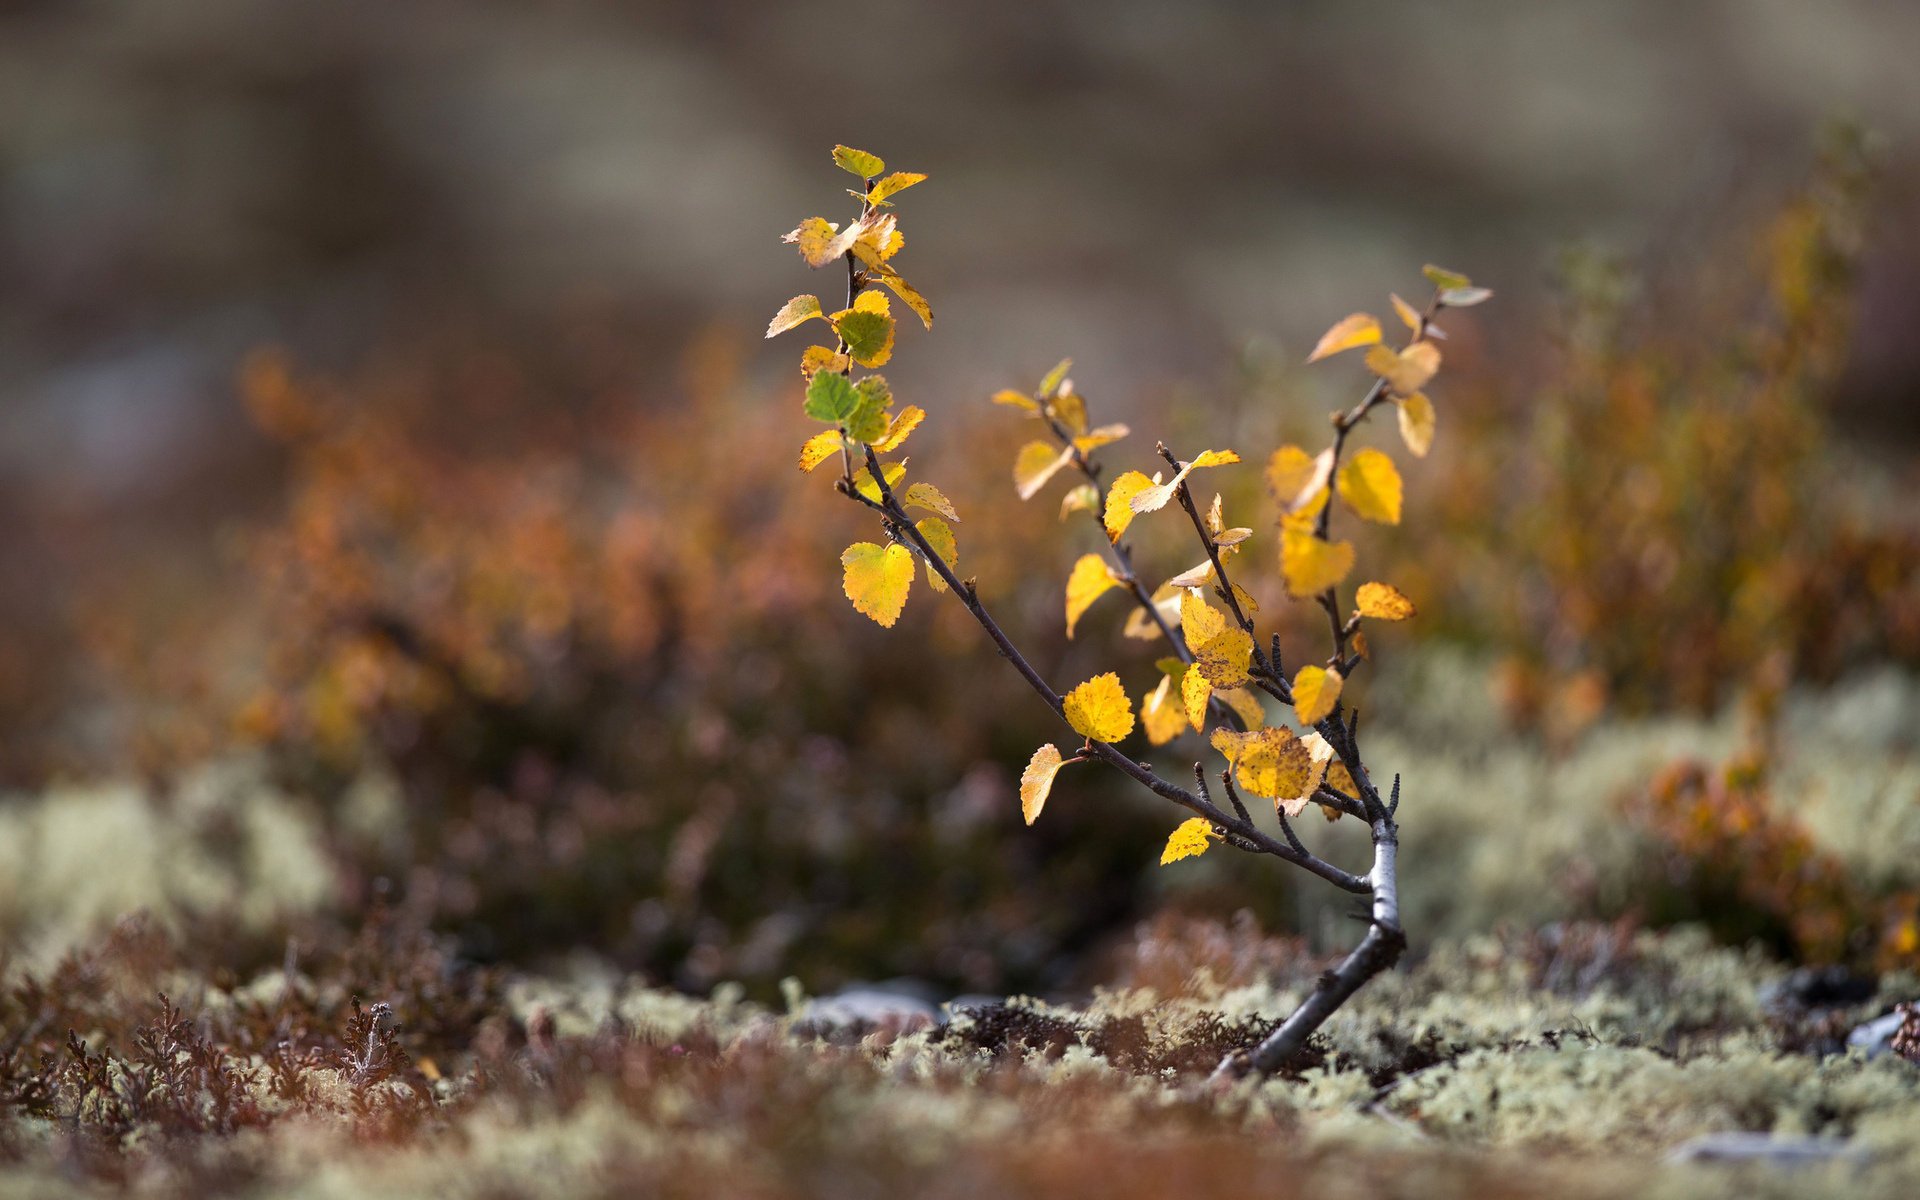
x=397, y=509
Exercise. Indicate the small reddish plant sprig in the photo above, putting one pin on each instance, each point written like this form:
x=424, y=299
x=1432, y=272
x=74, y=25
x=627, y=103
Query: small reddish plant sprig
x=1219, y=670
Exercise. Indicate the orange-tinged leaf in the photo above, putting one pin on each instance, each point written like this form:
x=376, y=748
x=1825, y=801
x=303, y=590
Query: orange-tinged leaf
x=1311, y=564
x=1189, y=840
x=1083, y=498
x=819, y=358
x=1406, y=371
x=1160, y=714
x=1360, y=329
x=1370, y=485
x=1383, y=602
x=796, y=311
x=1013, y=399
x=1417, y=421
x=858, y=162
x=867, y=333
x=1037, y=780
x=1195, y=691
x=931, y=498
x=899, y=426
x=1098, y=709
x=1036, y=463
x=1408, y=314
x=893, y=185
x=939, y=535
x=1201, y=621
x=1223, y=658
x=1090, y=579
x=1315, y=691
x=877, y=579
x=819, y=448
x=1360, y=644
x=1120, y=496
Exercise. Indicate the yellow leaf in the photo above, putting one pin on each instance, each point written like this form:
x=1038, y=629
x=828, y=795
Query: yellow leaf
x=1106, y=435
x=899, y=426
x=818, y=358
x=1013, y=399
x=1248, y=604
x=864, y=484
x=1440, y=277
x=1296, y=477
x=939, y=535
x=1383, y=602
x=1195, y=691
x=1160, y=716
x=909, y=296
x=1417, y=421
x=1315, y=691
x=1070, y=409
x=1226, y=539
x=1036, y=463
x=873, y=302
x=1360, y=329
x=1370, y=485
x=880, y=240
x=1311, y=564
x=1142, y=627
x=796, y=311
x=1079, y=499
x=1267, y=762
x=1037, y=780
x=1098, y=709
x=1201, y=621
x=821, y=241
x=1154, y=498
x=1187, y=841
x=1120, y=496
x=1213, y=458
x=819, y=448
x=1246, y=704
x=931, y=498
x=1223, y=658
x=1334, y=772
x=1408, y=314
x=1091, y=579
x=893, y=184
x=858, y=162
x=878, y=579
x=1051, y=381
x=867, y=333
x=1194, y=576
x=1406, y=371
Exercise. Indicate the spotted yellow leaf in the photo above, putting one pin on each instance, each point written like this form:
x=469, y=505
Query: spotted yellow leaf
x=1267, y=763
x=1315, y=691
x=1223, y=658
x=939, y=535
x=1098, y=709
x=1201, y=621
x=858, y=162
x=1036, y=463
x=877, y=579
x=931, y=498
x=1382, y=602
x=819, y=448
x=796, y=311
x=1370, y=485
x=892, y=185
x=1195, y=692
x=1417, y=421
x=1360, y=329
x=1311, y=564
x=1090, y=579
x=1120, y=497
x=1189, y=840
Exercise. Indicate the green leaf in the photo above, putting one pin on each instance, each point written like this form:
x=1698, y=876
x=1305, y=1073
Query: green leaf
x=1442, y=278
x=858, y=162
x=831, y=398
x=868, y=420
x=1051, y=381
x=869, y=336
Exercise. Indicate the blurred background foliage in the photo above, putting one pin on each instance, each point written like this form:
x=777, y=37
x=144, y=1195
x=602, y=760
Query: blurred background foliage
x=397, y=508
